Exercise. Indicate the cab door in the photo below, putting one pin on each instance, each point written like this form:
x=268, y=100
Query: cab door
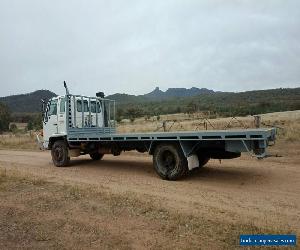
x=80, y=114
x=61, y=115
x=50, y=120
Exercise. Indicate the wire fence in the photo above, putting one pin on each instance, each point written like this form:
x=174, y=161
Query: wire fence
x=207, y=124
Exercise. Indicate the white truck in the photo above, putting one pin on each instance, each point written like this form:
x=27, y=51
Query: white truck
x=75, y=125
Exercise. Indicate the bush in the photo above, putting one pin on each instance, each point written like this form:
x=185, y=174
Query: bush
x=133, y=112
x=13, y=128
x=35, y=122
x=29, y=125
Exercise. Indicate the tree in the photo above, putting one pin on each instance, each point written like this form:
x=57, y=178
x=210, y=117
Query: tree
x=35, y=122
x=192, y=107
x=4, y=118
x=133, y=112
x=38, y=121
x=30, y=125
x=13, y=128
x=119, y=114
x=178, y=109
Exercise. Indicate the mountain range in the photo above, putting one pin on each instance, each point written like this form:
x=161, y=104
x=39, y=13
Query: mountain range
x=176, y=100
x=31, y=102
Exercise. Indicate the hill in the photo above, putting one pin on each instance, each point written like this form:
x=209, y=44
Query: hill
x=125, y=98
x=159, y=95
x=177, y=100
x=27, y=103
x=217, y=103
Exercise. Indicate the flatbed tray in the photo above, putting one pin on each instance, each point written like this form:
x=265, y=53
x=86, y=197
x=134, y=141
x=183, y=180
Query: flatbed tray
x=99, y=134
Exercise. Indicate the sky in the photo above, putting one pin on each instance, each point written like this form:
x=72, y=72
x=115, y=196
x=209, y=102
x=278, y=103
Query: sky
x=133, y=46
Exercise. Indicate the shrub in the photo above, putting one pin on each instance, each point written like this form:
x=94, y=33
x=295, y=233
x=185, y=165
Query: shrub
x=13, y=127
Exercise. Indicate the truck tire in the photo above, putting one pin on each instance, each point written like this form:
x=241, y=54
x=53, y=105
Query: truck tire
x=169, y=162
x=96, y=156
x=60, y=154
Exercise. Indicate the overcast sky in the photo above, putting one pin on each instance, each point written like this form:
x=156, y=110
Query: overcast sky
x=134, y=46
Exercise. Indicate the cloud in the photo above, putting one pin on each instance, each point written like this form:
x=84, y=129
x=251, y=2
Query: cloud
x=133, y=46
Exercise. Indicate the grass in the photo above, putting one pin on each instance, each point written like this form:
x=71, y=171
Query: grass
x=290, y=131
x=288, y=123
x=24, y=141
x=36, y=213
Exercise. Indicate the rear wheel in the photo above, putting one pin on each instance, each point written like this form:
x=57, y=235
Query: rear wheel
x=169, y=162
x=60, y=154
x=96, y=156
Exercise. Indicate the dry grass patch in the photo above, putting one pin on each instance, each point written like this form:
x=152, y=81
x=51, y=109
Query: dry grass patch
x=18, y=141
x=287, y=123
x=290, y=131
x=36, y=213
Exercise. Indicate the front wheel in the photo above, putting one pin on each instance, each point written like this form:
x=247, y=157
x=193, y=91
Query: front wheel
x=60, y=154
x=169, y=162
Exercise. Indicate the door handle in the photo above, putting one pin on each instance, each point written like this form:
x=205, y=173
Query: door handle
x=54, y=123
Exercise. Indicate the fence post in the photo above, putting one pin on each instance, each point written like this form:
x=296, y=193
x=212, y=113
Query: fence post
x=257, y=121
x=165, y=126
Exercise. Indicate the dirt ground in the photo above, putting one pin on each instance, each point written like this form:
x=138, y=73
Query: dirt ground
x=237, y=195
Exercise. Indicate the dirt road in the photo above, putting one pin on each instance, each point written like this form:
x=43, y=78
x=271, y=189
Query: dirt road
x=262, y=192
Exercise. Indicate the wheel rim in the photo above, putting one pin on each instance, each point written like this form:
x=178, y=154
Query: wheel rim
x=167, y=161
x=58, y=154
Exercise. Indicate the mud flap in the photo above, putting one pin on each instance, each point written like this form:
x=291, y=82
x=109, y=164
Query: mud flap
x=187, y=149
x=193, y=162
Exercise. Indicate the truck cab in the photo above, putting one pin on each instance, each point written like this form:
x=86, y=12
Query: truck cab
x=85, y=113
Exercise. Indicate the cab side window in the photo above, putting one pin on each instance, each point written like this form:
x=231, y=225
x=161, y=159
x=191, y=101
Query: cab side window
x=62, y=105
x=53, y=107
x=79, y=106
x=95, y=107
x=85, y=106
